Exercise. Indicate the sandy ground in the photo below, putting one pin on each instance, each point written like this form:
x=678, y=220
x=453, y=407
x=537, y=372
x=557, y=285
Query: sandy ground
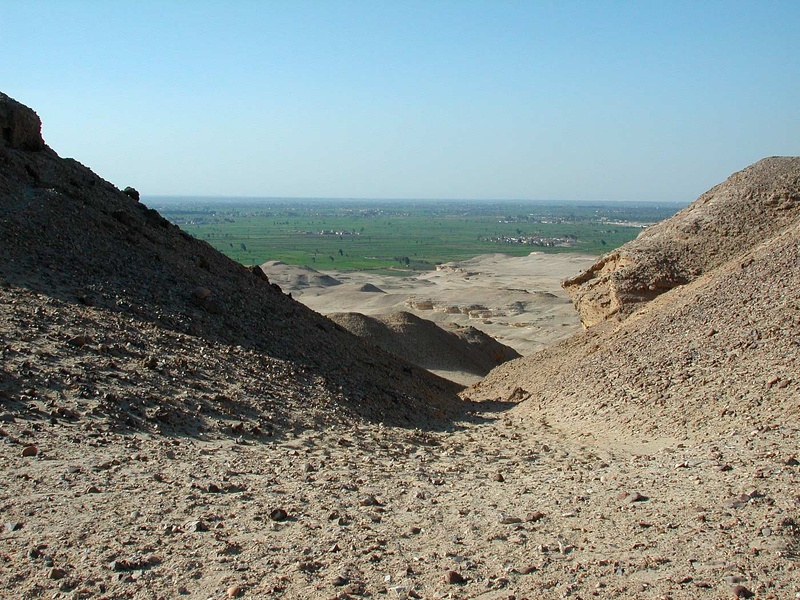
x=516, y=300
x=500, y=507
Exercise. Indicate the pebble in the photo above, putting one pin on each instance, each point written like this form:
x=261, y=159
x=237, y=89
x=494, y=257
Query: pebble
x=454, y=577
x=57, y=573
x=510, y=520
x=278, y=515
x=13, y=526
x=740, y=591
x=78, y=340
x=234, y=591
x=30, y=450
x=93, y=489
x=631, y=497
x=498, y=477
x=196, y=526
x=368, y=501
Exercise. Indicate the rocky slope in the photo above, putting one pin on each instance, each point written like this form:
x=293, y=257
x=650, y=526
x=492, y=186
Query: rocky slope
x=73, y=239
x=453, y=352
x=738, y=214
x=719, y=354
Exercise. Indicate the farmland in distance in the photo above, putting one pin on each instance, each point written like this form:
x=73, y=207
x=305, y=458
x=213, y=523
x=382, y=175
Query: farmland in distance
x=399, y=236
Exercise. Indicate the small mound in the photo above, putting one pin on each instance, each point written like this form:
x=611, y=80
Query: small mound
x=368, y=287
x=422, y=342
x=293, y=277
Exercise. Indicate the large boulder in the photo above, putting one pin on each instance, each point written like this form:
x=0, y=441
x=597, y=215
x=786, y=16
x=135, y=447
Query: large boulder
x=20, y=126
x=739, y=213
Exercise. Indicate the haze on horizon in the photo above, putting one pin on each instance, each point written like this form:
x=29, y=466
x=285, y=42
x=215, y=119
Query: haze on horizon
x=415, y=99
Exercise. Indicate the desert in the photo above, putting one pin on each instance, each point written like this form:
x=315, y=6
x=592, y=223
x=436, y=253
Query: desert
x=174, y=424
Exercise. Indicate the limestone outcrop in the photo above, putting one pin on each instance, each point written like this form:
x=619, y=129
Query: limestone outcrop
x=749, y=207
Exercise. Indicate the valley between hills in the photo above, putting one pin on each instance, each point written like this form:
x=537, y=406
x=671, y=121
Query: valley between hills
x=175, y=424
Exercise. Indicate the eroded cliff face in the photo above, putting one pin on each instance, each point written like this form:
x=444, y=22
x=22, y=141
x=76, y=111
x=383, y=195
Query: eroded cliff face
x=20, y=127
x=750, y=206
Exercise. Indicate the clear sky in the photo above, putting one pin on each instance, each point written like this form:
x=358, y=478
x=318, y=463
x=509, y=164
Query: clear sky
x=583, y=100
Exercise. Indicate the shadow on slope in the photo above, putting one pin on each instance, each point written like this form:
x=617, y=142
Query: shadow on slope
x=79, y=244
x=424, y=343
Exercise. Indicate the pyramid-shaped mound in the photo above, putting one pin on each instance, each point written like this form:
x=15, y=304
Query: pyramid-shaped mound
x=424, y=343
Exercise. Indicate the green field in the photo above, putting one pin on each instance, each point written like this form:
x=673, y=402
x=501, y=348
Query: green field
x=400, y=235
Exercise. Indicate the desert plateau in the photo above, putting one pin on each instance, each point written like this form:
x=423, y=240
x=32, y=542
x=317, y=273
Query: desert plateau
x=175, y=424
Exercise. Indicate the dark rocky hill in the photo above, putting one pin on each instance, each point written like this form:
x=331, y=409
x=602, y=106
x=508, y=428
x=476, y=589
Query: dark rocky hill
x=85, y=261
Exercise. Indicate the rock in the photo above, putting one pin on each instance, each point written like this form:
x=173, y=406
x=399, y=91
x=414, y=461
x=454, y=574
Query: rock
x=340, y=580
x=30, y=450
x=739, y=591
x=7, y=418
x=78, y=341
x=510, y=520
x=454, y=577
x=498, y=477
x=234, y=591
x=631, y=497
x=131, y=192
x=278, y=515
x=20, y=126
x=57, y=573
x=196, y=526
x=534, y=516
x=368, y=500
x=13, y=526
x=201, y=293
x=93, y=489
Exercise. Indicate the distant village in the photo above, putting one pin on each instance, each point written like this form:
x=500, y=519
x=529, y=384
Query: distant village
x=529, y=240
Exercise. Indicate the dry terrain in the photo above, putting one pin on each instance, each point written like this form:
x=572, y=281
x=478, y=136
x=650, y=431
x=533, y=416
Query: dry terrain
x=519, y=301
x=172, y=425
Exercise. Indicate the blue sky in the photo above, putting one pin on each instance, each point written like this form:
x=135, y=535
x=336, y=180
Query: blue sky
x=403, y=99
